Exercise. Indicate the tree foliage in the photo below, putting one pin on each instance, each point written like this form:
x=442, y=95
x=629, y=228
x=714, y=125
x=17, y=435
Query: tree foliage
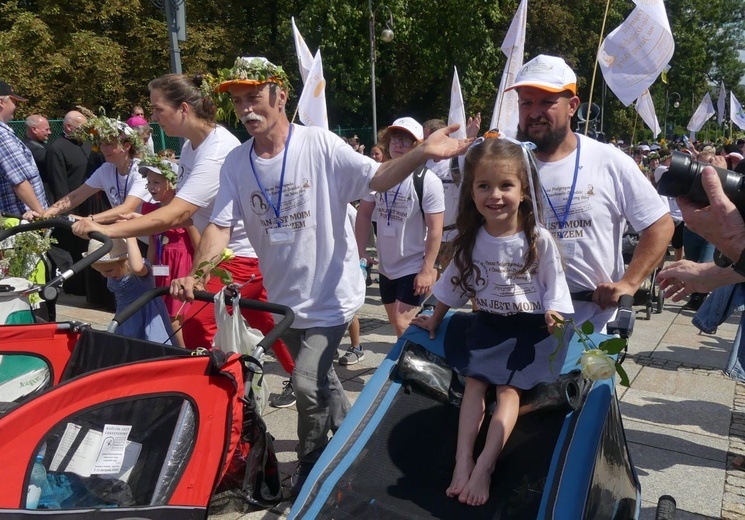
x=61, y=53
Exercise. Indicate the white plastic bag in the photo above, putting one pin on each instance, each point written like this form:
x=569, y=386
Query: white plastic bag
x=234, y=335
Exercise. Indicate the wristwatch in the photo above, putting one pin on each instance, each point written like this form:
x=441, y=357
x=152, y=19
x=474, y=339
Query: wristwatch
x=722, y=261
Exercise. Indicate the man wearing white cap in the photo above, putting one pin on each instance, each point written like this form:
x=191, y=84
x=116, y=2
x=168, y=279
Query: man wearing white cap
x=291, y=186
x=410, y=223
x=591, y=189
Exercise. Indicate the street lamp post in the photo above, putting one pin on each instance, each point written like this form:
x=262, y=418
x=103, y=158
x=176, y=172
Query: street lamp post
x=676, y=104
x=387, y=36
x=176, y=21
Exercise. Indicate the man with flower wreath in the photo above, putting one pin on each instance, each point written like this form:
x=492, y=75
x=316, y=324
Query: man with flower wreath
x=291, y=185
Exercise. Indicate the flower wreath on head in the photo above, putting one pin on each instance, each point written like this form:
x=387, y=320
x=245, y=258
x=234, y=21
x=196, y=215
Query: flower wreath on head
x=252, y=71
x=259, y=69
x=165, y=167
x=102, y=129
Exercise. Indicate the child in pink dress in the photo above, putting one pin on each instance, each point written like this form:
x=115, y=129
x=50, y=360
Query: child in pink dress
x=170, y=252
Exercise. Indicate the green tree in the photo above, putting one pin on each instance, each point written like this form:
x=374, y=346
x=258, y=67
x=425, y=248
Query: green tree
x=61, y=53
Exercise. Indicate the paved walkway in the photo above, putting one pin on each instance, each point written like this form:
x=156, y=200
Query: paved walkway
x=684, y=420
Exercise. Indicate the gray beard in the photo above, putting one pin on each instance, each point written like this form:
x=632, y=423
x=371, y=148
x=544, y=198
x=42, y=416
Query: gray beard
x=550, y=140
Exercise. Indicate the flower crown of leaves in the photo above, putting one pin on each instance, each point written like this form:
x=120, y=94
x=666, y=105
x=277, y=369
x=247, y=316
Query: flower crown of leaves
x=258, y=69
x=101, y=129
x=165, y=167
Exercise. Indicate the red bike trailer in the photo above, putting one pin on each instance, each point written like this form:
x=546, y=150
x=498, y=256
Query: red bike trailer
x=123, y=428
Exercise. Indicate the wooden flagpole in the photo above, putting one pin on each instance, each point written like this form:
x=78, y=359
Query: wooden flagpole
x=595, y=69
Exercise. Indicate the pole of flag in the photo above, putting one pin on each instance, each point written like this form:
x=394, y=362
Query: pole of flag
x=595, y=68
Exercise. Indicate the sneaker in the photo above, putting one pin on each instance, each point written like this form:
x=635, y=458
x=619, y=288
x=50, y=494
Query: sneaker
x=286, y=398
x=353, y=356
x=298, y=478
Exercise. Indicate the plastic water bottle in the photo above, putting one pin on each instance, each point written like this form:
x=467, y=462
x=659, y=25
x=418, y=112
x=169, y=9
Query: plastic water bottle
x=36, y=483
x=363, y=266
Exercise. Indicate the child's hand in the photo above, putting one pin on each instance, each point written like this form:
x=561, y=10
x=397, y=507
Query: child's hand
x=427, y=322
x=551, y=322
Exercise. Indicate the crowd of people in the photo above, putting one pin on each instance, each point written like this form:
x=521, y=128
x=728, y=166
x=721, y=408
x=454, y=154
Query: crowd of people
x=522, y=229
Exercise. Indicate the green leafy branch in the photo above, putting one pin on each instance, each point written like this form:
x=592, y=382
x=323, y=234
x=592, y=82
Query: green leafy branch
x=210, y=267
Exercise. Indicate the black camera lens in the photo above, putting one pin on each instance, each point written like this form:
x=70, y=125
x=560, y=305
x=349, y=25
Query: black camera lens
x=683, y=178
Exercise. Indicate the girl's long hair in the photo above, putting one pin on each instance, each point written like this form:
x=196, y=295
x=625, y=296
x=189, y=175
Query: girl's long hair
x=469, y=220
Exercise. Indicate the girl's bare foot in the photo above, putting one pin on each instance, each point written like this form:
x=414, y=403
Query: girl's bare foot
x=476, y=491
x=461, y=474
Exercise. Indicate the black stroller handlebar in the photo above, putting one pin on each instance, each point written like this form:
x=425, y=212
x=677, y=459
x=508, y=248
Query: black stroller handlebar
x=51, y=289
x=623, y=325
x=288, y=316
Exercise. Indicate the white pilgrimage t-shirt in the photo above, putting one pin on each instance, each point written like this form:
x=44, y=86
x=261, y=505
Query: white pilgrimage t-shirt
x=401, y=228
x=610, y=189
x=118, y=187
x=316, y=271
x=451, y=185
x=199, y=180
x=498, y=290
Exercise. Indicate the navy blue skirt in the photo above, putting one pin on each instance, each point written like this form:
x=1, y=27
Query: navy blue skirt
x=511, y=350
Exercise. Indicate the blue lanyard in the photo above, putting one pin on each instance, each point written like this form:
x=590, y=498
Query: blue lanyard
x=281, y=177
x=389, y=209
x=562, y=221
x=126, y=183
x=159, y=248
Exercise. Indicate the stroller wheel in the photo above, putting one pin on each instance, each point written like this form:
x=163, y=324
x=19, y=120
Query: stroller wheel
x=660, y=302
x=666, y=508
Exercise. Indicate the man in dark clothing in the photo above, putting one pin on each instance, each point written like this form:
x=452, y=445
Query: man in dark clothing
x=69, y=164
x=37, y=134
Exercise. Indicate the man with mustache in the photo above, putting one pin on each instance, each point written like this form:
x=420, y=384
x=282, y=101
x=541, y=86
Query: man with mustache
x=305, y=178
x=591, y=190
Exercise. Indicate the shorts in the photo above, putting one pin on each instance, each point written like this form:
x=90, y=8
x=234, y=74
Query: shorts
x=677, y=240
x=401, y=289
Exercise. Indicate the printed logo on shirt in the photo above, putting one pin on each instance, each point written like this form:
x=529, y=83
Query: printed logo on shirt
x=113, y=195
x=295, y=212
x=577, y=224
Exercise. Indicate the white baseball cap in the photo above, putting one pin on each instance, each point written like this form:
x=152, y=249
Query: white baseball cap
x=410, y=125
x=549, y=73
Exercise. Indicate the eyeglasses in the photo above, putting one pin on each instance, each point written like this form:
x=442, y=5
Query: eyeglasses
x=402, y=139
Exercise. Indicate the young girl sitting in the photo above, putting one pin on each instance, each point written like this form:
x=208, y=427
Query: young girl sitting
x=509, y=264
x=170, y=253
x=129, y=276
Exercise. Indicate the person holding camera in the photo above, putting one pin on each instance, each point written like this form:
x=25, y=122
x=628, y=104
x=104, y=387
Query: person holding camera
x=721, y=223
x=591, y=189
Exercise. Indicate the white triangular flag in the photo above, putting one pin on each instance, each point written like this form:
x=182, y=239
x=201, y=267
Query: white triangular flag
x=457, y=112
x=720, y=103
x=304, y=56
x=506, y=115
x=312, y=104
x=637, y=51
x=645, y=107
x=702, y=114
x=736, y=114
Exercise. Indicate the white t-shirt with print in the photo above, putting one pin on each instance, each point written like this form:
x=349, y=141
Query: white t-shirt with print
x=610, y=190
x=316, y=271
x=498, y=290
x=401, y=228
x=118, y=187
x=451, y=186
x=199, y=180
